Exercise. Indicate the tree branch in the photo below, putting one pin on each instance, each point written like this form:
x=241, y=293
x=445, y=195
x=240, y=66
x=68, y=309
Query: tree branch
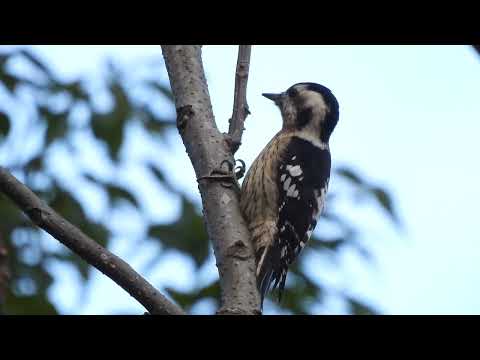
x=207, y=150
x=240, y=105
x=89, y=250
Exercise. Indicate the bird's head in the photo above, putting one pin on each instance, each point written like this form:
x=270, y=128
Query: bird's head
x=308, y=107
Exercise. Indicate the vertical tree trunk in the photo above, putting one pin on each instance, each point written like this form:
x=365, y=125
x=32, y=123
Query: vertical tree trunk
x=207, y=149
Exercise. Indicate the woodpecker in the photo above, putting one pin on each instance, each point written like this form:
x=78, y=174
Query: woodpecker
x=284, y=190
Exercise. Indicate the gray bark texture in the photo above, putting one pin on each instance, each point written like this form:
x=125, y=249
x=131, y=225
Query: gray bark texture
x=240, y=105
x=85, y=247
x=208, y=148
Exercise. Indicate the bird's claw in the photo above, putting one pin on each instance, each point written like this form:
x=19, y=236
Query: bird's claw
x=232, y=174
x=240, y=170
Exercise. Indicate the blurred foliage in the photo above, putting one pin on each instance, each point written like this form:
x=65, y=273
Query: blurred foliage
x=59, y=112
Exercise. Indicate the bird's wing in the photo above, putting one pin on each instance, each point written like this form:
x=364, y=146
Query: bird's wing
x=302, y=180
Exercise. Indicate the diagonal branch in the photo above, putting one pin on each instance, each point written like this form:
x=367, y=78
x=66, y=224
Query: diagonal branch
x=240, y=105
x=207, y=150
x=89, y=250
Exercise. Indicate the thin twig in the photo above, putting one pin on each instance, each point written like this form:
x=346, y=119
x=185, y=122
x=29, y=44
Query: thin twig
x=240, y=105
x=85, y=247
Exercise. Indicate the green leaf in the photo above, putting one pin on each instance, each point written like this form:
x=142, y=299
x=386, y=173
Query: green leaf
x=161, y=177
x=333, y=244
x=187, y=299
x=35, y=164
x=122, y=105
x=153, y=123
x=36, y=273
x=110, y=127
x=186, y=235
x=39, y=64
x=29, y=305
x=66, y=205
x=9, y=81
x=157, y=172
x=74, y=88
x=98, y=232
x=358, y=308
x=157, y=126
x=210, y=291
x=363, y=251
x=184, y=299
x=3, y=59
x=350, y=175
x=93, y=179
x=385, y=201
x=57, y=126
x=9, y=214
x=80, y=265
x=117, y=193
x=162, y=89
x=348, y=231
x=4, y=124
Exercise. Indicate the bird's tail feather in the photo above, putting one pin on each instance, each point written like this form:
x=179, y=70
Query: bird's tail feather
x=264, y=272
x=269, y=272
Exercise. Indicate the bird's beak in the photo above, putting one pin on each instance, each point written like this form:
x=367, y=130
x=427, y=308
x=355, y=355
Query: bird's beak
x=274, y=97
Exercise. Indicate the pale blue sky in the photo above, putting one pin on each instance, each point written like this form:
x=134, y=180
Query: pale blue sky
x=410, y=118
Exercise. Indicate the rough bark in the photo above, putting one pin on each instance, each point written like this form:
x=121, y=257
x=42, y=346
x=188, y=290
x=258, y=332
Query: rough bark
x=89, y=250
x=240, y=105
x=208, y=149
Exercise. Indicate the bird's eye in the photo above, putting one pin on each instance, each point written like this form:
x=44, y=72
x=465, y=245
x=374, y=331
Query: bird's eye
x=292, y=92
